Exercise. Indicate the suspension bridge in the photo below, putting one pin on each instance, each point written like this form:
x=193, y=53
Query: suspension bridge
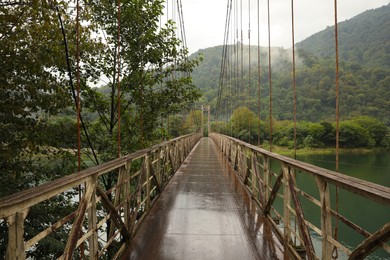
x=203, y=197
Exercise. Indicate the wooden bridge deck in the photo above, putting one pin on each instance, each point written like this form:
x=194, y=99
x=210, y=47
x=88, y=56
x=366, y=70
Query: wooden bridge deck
x=204, y=213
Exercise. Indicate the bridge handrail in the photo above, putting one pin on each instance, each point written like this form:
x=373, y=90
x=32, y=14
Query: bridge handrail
x=158, y=164
x=263, y=185
x=365, y=188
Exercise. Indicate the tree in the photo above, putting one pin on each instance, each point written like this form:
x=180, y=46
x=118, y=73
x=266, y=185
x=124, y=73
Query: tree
x=245, y=124
x=376, y=129
x=155, y=77
x=193, y=122
x=34, y=86
x=353, y=135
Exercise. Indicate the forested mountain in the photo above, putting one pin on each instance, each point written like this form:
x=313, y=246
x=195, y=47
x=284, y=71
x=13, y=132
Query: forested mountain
x=364, y=39
x=364, y=74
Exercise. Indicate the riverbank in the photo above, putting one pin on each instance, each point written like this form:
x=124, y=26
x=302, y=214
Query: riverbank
x=309, y=151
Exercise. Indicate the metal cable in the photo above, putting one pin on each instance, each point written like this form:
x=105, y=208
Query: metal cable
x=335, y=235
x=294, y=97
x=294, y=79
x=72, y=85
x=249, y=68
x=242, y=52
x=270, y=78
x=258, y=69
x=78, y=110
x=118, y=75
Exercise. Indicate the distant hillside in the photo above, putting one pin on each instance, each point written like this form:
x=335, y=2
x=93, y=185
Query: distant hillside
x=364, y=74
x=364, y=39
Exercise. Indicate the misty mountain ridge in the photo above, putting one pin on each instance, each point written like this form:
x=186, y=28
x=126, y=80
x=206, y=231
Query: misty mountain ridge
x=364, y=52
x=364, y=39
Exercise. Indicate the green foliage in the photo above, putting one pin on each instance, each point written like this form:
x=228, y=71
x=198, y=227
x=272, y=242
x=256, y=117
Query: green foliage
x=155, y=80
x=377, y=130
x=193, y=122
x=354, y=133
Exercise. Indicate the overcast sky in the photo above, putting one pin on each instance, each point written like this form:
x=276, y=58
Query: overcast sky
x=205, y=19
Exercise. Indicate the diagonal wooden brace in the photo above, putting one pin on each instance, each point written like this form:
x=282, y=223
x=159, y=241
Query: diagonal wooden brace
x=273, y=194
x=78, y=222
x=303, y=230
x=372, y=242
x=114, y=213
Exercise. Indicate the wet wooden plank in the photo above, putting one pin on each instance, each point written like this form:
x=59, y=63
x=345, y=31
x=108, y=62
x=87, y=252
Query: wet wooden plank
x=205, y=213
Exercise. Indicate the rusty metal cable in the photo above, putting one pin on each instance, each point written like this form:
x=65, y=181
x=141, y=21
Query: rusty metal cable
x=335, y=235
x=249, y=68
x=71, y=83
x=294, y=96
x=269, y=77
x=118, y=75
x=258, y=69
x=242, y=52
x=294, y=79
x=78, y=110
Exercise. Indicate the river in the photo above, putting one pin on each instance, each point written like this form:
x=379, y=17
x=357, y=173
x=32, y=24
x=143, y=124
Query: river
x=373, y=167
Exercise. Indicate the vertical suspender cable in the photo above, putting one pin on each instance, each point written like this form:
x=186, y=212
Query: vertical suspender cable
x=231, y=74
x=118, y=79
x=249, y=67
x=236, y=46
x=167, y=9
x=270, y=78
x=258, y=68
x=78, y=110
x=72, y=85
x=294, y=94
x=335, y=252
x=294, y=79
x=224, y=55
x=242, y=53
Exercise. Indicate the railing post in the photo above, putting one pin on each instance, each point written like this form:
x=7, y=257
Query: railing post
x=79, y=219
x=147, y=177
x=286, y=205
x=254, y=176
x=126, y=193
x=267, y=178
x=92, y=225
x=15, y=249
x=159, y=168
x=326, y=218
x=230, y=151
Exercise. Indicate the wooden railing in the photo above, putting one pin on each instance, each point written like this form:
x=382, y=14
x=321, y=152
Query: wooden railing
x=271, y=179
x=113, y=212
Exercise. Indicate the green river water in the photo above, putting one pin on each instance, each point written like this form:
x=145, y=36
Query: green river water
x=373, y=167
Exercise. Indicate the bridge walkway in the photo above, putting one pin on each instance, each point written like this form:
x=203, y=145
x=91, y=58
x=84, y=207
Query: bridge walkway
x=205, y=213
